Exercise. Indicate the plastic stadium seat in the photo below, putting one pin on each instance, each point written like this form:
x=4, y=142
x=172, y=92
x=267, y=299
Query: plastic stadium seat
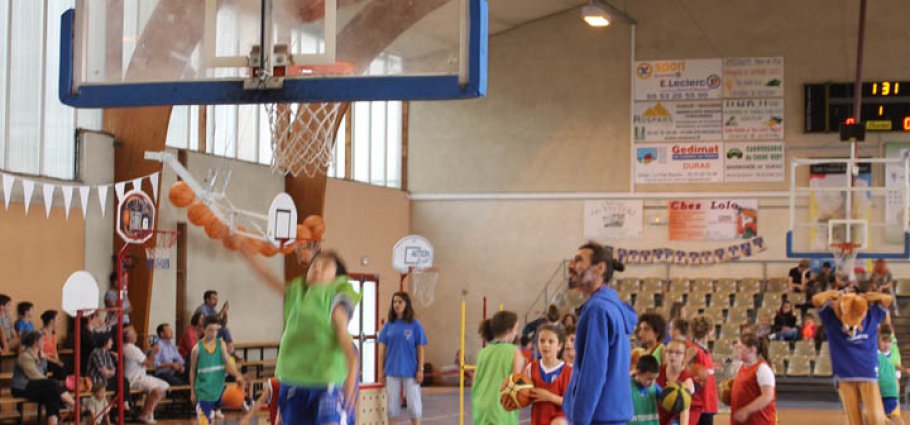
x=903, y=287
x=644, y=301
x=726, y=285
x=805, y=349
x=704, y=284
x=721, y=298
x=715, y=313
x=823, y=351
x=822, y=367
x=777, y=285
x=799, y=366
x=738, y=315
x=771, y=300
x=625, y=296
x=797, y=298
x=652, y=285
x=744, y=299
x=631, y=284
x=695, y=302
x=678, y=284
x=723, y=347
x=778, y=365
x=730, y=330
x=750, y=285
x=779, y=349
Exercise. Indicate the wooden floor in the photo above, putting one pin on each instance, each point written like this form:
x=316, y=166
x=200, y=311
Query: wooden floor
x=440, y=406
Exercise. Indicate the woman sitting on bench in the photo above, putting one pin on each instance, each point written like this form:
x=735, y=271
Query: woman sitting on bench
x=30, y=378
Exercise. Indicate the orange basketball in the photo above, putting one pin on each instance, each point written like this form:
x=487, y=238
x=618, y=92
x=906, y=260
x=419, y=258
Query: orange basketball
x=726, y=391
x=318, y=231
x=268, y=250
x=232, y=242
x=217, y=230
x=312, y=221
x=288, y=248
x=516, y=393
x=232, y=398
x=304, y=233
x=699, y=373
x=181, y=195
x=199, y=214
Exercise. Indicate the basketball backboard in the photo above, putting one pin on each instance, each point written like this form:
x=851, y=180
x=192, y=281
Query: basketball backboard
x=169, y=52
x=282, y=219
x=135, y=217
x=412, y=252
x=80, y=292
x=838, y=200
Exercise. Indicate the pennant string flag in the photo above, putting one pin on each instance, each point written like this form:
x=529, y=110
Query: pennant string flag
x=137, y=184
x=67, y=199
x=8, y=181
x=154, y=180
x=84, y=192
x=102, y=197
x=119, y=188
x=48, y=190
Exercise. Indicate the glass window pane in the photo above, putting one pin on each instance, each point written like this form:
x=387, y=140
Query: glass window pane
x=265, y=137
x=178, y=128
x=4, y=46
x=337, y=166
x=368, y=362
x=247, y=147
x=25, y=114
x=393, y=145
x=225, y=130
x=368, y=301
x=59, y=119
x=193, y=128
x=354, y=324
x=361, y=142
x=377, y=142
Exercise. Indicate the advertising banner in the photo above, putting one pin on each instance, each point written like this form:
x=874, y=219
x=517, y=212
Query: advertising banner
x=754, y=162
x=713, y=220
x=754, y=77
x=684, y=79
x=672, y=121
x=753, y=119
x=679, y=163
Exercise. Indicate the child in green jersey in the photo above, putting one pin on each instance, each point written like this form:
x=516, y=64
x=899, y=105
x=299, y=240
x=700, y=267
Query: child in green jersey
x=495, y=363
x=208, y=363
x=888, y=377
x=645, y=391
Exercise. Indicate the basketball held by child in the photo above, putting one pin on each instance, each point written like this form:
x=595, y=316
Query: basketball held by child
x=516, y=393
x=726, y=391
x=674, y=398
x=699, y=374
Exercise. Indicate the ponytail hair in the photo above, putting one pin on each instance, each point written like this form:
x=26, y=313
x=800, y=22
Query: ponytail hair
x=760, y=344
x=500, y=324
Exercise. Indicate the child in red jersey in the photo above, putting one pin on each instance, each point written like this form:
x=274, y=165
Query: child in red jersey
x=550, y=377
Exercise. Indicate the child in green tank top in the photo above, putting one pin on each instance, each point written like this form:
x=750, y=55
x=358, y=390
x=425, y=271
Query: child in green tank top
x=208, y=363
x=495, y=363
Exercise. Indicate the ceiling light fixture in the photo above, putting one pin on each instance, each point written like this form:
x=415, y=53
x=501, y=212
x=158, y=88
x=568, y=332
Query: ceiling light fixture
x=595, y=16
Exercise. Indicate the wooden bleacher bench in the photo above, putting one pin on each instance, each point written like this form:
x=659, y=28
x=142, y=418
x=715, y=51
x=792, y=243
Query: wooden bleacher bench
x=261, y=346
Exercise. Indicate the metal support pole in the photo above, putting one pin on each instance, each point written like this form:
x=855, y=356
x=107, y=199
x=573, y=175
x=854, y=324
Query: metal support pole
x=122, y=283
x=78, y=362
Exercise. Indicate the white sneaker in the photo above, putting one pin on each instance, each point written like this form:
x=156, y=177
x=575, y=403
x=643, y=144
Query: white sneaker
x=147, y=419
x=218, y=414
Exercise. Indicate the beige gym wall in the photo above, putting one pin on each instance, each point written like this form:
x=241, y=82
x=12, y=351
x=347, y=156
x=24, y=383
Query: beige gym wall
x=557, y=117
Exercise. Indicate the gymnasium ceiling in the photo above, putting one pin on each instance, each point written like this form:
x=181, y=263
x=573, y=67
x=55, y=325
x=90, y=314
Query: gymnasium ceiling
x=507, y=14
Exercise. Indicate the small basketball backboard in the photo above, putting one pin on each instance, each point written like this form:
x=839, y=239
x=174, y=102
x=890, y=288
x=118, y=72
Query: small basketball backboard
x=837, y=201
x=173, y=52
x=282, y=219
x=412, y=252
x=135, y=217
x=80, y=292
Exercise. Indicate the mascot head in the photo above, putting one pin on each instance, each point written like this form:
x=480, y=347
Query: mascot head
x=851, y=309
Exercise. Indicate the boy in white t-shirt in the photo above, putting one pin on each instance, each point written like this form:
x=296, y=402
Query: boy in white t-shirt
x=135, y=363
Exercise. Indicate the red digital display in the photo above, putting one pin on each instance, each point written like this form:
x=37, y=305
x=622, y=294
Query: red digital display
x=906, y=123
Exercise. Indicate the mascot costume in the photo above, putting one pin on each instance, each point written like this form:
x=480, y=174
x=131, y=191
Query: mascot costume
x=851, y=327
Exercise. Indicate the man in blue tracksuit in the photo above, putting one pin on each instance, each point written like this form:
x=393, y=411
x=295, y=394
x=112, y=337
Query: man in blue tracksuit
x=599, y=392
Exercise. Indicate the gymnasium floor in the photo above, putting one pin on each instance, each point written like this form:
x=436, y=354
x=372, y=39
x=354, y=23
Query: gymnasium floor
x=440, y=406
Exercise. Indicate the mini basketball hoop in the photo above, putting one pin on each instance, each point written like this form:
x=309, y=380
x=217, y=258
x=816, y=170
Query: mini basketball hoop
x=845, y=258
x=423, y=284
x=303, y=134
x=158, y=253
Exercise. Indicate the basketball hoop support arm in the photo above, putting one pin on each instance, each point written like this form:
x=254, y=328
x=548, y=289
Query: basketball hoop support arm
x=254, y=219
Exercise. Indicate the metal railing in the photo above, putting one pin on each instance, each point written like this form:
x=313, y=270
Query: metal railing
x=555, y=286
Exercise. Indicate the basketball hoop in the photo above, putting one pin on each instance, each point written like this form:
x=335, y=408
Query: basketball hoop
x=158, y=253
x=423, y=284
x=845, y=258
x=303, y=134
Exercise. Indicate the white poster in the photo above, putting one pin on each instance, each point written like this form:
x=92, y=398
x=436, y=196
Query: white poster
x=608, y=220
x=754, y=162
x=679, y=163
x=684, y=79
x=713, y=219
x=754, y=77
x=753, y=119
x=894, y=194
x=672, y=121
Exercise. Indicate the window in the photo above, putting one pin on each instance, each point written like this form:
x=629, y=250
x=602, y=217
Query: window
x=364, y=324
x=37, y=132
x=376, y=142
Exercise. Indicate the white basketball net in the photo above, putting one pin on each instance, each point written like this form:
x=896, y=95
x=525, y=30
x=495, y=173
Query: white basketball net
x=303, y=136
x=158, y=256
x=845, y=259
x=423, y=285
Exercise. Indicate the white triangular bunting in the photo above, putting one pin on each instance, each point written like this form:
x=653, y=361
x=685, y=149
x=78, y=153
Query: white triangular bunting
x=84, y=192
x=119, y=188
x=154, y=180
x=48, y=199
x=102, y=196
x=67, y=199
x=8, y=181
x=28, y=187
x=137, y=183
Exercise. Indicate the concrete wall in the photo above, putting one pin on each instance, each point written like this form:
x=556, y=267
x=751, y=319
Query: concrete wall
x=557, y=119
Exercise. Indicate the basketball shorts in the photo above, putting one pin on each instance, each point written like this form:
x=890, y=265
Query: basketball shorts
x=318, y=406
x=205, y=412
x=892, y=407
